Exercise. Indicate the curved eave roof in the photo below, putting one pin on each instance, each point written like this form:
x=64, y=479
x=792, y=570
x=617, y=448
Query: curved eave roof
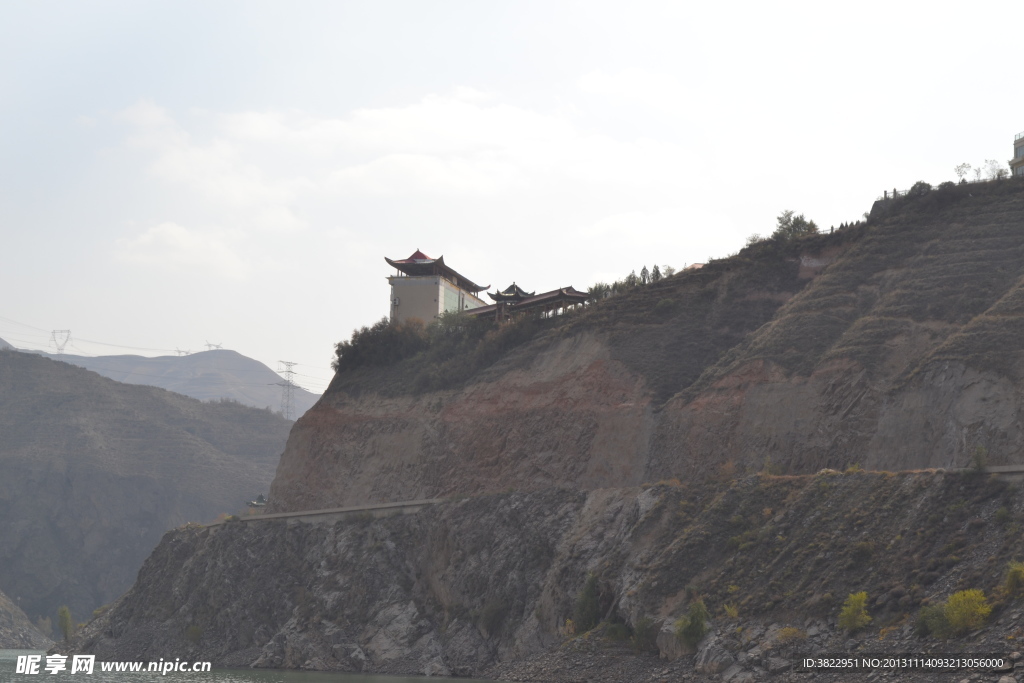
x=420, y=267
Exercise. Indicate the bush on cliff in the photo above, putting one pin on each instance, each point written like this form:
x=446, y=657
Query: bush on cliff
x=693, y=626
x=381, y=344
x=586, y=610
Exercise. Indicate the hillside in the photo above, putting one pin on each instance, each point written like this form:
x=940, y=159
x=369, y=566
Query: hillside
x=206, y=375
x=16, y=631
x=96, y=471
x=890, y=344
x=754, y=391
x=485, y=586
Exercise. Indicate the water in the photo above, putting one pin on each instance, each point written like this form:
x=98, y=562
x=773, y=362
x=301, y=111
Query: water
x=8, y=660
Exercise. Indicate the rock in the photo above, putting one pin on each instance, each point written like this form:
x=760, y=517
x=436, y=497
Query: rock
x=669, y=646
x=777, y=665
x=712, y=657
x=1007, y=679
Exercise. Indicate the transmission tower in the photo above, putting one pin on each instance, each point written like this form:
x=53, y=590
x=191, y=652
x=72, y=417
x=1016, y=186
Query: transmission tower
x=60, y=340
x=211, y=347
x=180, y=352
x=287, y=388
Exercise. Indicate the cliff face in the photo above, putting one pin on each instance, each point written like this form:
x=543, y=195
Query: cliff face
x=571, y=413
x=16, y=631
x=95, y=472
x=472, y=587
x=892, y=345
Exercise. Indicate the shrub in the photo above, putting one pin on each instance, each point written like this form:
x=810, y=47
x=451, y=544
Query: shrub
x=966, y=611
x=616, y=631
x=863, y=551
x=1003, y=516
x=854, y=615
x=645, y=634
x=193, y=634
x=1014, y=581
x=919, y=189
x=731, y=610
x=693, y=626
x=790, y=634
x=381, y=344
x=492, y=618
x=586, y=611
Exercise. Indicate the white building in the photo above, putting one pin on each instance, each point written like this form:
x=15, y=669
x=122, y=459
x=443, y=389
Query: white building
x=425, y=288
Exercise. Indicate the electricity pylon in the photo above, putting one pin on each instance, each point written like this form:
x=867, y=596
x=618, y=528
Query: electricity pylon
x=60, y=339
x=287, y=388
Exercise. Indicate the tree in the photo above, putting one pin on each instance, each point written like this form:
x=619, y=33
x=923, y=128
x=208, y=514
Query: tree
x=65, y=622
x=854, y=614
x=962, y=170
x=632, y=280
x=791, y=225
x=645, y=275
x=668, y=271
x=598, y=291
x=655, y=274
x=994, y=170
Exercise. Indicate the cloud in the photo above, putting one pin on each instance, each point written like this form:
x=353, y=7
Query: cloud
x=217, y=170
x=655, y=91
x=172, y=247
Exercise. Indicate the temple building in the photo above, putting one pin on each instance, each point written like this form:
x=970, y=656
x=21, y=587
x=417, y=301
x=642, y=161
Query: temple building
x=425, y=288
x=1017, y=162
x=513, y=301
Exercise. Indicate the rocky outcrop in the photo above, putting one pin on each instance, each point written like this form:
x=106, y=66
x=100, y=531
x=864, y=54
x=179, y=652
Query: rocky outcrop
x=16, y=631
x=481, y=586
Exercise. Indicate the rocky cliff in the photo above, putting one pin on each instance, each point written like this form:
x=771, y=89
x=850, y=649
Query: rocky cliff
x=16, y=631
x=95, y=472
x=485, y=586
x=888, y=345
x=891, y=344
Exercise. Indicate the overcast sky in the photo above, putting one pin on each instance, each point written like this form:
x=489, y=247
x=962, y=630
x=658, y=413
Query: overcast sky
x=173, y=173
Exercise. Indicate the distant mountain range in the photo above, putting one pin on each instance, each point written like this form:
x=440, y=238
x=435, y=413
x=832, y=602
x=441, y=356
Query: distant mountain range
x=94, y=472
x=5, y=345
x=207, y=375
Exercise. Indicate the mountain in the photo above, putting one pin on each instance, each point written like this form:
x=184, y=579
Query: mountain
x=206, y=375
x=756, y=447
x=5, y=345
x=891, y=344
x=16, y=631
x=95, y=472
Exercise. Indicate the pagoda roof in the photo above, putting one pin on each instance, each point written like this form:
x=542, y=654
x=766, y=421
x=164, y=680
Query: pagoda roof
x=568, y=294
x=511, y=293
x=419, y=264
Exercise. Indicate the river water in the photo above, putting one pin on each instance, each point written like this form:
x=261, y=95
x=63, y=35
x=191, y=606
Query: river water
x=8, y=665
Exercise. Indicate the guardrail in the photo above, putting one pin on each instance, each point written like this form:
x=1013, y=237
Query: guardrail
x=335, y=514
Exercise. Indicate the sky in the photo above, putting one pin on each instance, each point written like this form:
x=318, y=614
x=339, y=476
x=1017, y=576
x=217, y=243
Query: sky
x=180, y=173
